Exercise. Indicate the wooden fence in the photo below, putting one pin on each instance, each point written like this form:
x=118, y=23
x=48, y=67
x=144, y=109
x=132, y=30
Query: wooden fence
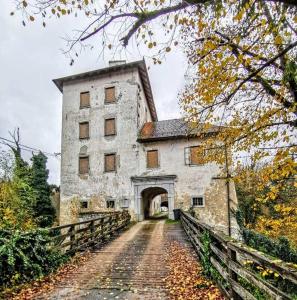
x=81, y=235
x=240, y=266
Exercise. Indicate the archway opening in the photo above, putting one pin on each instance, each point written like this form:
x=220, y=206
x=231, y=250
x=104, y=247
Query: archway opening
x=154, y=203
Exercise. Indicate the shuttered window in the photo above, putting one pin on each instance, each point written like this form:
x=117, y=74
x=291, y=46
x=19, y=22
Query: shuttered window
x=152, y=160
x=84, y=99
x=110, y=127
x=110, y=162
x=110, y=95
x=84, y=165
x=196, y=157
x=84, y=130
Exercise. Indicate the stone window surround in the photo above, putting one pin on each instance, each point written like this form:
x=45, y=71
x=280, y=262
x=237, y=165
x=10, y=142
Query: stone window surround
x=197, y=196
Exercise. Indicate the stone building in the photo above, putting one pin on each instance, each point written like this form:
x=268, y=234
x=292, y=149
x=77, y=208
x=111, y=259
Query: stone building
x=117, y=155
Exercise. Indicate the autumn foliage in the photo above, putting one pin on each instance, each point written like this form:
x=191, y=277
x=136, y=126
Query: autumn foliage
x=185, y=279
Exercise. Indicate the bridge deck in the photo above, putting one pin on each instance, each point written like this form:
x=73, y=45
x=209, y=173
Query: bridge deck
x=132, y=266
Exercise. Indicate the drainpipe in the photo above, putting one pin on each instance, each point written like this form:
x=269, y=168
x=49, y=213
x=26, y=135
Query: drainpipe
x=228, y=190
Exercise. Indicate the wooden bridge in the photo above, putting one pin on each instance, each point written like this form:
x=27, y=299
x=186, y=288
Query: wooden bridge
x=133, y=264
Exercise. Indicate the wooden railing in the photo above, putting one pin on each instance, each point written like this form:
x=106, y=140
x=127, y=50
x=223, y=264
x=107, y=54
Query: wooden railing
x=81, y=235
x=239, y=265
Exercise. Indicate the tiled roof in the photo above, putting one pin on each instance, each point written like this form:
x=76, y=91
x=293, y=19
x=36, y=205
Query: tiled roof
x=171, y=129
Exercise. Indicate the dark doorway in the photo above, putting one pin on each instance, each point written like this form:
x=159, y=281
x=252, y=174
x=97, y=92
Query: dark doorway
x=154, y=203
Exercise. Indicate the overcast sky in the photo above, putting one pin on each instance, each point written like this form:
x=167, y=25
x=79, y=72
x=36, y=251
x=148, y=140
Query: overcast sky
x=31, y=56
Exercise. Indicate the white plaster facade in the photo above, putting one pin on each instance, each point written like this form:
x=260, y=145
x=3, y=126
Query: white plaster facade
x=132, y=180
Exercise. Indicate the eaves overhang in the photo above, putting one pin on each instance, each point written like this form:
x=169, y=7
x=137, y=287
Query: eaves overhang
x=142, y=69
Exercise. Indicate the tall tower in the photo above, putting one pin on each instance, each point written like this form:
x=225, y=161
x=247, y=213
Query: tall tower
x=103, y=111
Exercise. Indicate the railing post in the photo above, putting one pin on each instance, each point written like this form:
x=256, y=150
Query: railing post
x=92, y=230
x=72, y=236
x=232, y=275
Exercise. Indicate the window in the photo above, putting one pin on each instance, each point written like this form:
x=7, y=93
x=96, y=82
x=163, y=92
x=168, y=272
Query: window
x=125, y=203
x=84, y=99
x=198, y=201
x=110, y=95
x=84, y=165
x=110, y=162
x=152, y=160
x=84, y=204
x=110, y=204
x=84, y=130
x=110, y=127
x=194, y=155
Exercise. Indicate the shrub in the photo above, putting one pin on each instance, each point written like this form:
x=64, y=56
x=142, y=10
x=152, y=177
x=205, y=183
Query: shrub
x=26, y=255
x=279, y=248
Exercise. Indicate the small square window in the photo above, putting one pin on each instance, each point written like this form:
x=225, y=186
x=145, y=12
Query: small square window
x=110, y=95
x=110, y=204
x=198, y=201
x=84, y=204
x=125, y=203
x=84, y=99
x=110, y=162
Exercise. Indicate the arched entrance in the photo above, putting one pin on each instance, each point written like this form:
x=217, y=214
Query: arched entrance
x=151, y=201
x=147, y=187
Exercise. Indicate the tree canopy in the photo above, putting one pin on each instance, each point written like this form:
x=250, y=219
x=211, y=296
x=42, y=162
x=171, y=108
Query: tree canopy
x=24, y=192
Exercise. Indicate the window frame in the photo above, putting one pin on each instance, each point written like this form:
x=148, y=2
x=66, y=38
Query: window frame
x=80, y=104
x=109, y=201
x=158, y=159
x=115, y=162
x=82, y=157
x=82, y=123
x=115, y=97
x=84, y=204
x=200, y=196
x=115, y=126
x=188, y=156
x=125, y=201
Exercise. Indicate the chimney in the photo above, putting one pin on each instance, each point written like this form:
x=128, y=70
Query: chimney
x=113, y=63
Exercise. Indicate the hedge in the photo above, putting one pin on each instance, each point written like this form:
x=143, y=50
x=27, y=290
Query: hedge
x=25, y=256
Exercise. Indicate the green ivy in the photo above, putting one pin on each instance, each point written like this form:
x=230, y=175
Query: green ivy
x=208, y=269
x=26, y=256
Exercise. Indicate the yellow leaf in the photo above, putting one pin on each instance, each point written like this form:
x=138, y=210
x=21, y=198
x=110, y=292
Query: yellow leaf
x=278, y=40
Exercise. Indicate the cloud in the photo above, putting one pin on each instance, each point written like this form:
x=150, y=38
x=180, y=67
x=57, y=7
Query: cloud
x=30, y=57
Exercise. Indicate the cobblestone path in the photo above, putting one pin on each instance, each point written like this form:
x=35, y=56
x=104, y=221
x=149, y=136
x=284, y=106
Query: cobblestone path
x=131, y=267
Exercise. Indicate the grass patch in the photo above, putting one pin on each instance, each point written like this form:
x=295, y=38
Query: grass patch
x=169, y=221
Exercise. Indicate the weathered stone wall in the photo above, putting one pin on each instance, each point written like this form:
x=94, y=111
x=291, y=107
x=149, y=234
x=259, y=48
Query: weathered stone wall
x=130, y=111
x=192, y=181
x=98, y=186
